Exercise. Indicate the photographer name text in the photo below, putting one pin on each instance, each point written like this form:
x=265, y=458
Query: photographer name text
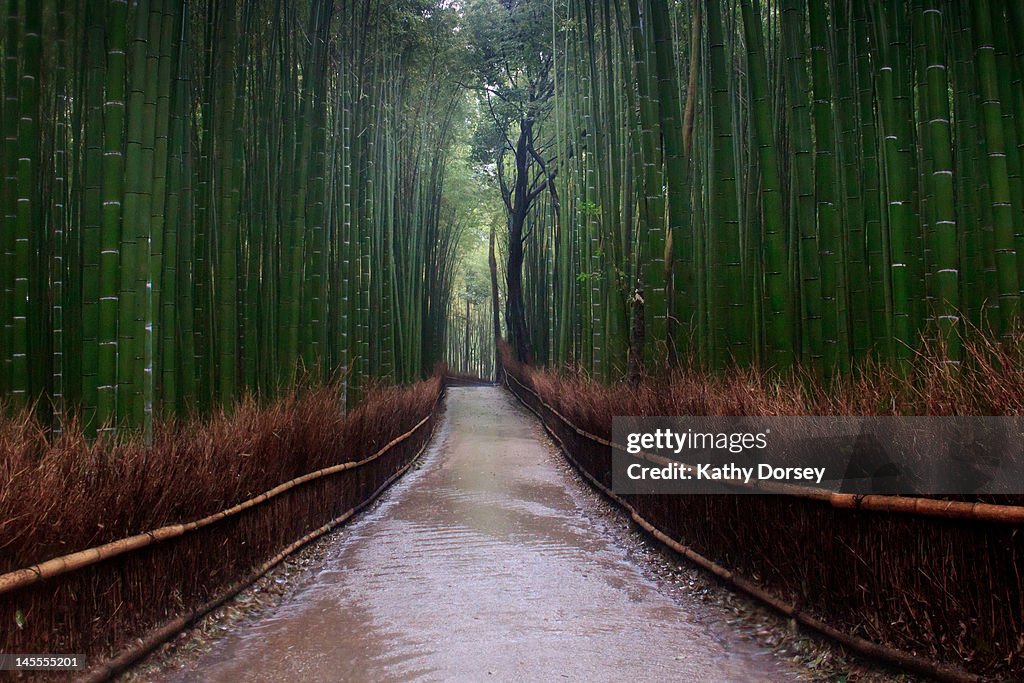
x=727, y=472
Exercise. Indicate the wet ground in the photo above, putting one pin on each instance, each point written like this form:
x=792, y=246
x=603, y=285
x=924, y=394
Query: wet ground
x=486, y=563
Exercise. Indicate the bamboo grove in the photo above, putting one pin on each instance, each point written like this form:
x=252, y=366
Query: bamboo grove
x=470, y=347
x=777, y=182
x=202, y=198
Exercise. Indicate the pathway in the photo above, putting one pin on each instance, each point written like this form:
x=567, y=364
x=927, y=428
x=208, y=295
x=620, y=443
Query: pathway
x=486, y=563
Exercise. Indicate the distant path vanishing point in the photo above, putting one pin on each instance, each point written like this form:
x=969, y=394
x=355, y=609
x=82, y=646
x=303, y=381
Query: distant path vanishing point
x=487, y=563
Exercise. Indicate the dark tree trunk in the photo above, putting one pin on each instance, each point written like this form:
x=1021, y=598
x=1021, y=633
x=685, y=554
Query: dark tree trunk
x=465, y=343
x=518, y=200
x=637, y=338
x=492, y=262
x=514, y=279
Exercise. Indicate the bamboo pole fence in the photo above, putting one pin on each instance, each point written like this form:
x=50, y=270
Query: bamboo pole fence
x=112, y=667
x=877, y=503
x=927, y=507
x=23, y=584
x=54, y=567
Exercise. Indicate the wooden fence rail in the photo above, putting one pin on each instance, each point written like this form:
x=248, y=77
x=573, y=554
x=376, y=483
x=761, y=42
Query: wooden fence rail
x=97, y=601
x=49, y=569
x=595, y=465
x=929, y=507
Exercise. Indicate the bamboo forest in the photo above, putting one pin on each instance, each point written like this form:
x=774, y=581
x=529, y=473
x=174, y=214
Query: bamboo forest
x=259, y=258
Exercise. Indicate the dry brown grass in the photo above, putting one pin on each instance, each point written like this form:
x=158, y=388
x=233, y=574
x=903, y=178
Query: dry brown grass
x=990, y=381
x=947, y=590
x=59, y=496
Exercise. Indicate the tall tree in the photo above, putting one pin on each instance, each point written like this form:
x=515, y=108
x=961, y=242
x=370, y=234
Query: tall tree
x=514, y=66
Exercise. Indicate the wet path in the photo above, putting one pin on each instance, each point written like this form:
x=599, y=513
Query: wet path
x=484, y=564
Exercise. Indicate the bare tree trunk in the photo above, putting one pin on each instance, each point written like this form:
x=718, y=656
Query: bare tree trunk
x=492, y=261
x=637, y=338
x=518, y=200
x=465, y=343
x=514, y=279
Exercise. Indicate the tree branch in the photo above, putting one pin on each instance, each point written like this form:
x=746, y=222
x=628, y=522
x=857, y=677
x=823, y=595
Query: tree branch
x=506, y=194
x=497, y=123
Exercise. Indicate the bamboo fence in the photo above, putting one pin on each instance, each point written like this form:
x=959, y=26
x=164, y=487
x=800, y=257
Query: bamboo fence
x=591, y=455
x=99, y=600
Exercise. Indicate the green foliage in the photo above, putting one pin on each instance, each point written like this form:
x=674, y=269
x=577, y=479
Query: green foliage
x=510, y=53
x=822, y=182
x=199, y=204
x=205, y=199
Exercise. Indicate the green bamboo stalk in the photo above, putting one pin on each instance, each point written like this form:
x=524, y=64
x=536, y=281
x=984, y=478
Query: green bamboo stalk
x=779, y=314
x=61, y=232
x=812, y=341
x=998, y=175
x=226, y=270
x=652, y=203
x=175, y=208
x=1008, y=96
x=92, y=210
x=134, y=254
x=615, y=268
x=899, y=173
x=8, y=193
x=110, y=233
x=25, y=305
x=676, y=168
x=945, y=279
x=732, y=302
x=851, y=121
x=876, y=242
x=834, y=324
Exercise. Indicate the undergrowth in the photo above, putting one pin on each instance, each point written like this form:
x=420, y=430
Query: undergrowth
x=945, y=590
x=988, y=381
x=63, y=493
